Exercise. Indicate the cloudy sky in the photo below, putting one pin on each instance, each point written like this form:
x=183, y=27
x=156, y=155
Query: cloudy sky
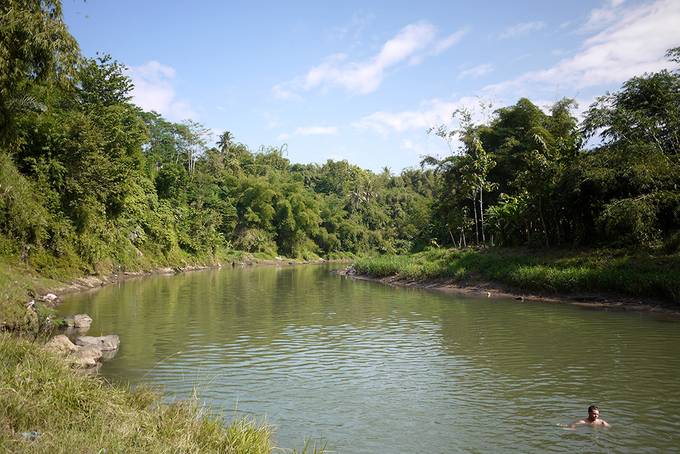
x=361, y=80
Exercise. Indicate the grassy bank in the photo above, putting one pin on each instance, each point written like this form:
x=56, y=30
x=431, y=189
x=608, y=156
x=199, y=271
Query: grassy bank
x=42, y=398
x=21, y=282
x=47, y=407
x=559, y=271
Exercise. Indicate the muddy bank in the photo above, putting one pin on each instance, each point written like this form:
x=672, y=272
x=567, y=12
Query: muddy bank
x=594, y=301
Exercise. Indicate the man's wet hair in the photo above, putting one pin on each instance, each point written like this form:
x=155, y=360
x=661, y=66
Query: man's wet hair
x=593, y=407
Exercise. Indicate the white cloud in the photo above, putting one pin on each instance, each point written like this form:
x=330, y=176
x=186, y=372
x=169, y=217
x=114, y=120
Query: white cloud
x=412, y=44
x=601, y=17
x=154, y=90
x=521, y=29
x=420, y=145
x=443, y=44
x=634, y=44
x=280, y=92
x=310, y=131
x=316, y=131
x=413, y=147
x=476, y=71
x=431, y=113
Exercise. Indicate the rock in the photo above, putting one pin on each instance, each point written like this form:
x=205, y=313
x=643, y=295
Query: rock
x=50, y=298
x=89, y=282
x=89, y=352
x=86, y=357
x=61, y=344
x=104, y=343
x=108, y=354
x=32, y=435
x=78, y=321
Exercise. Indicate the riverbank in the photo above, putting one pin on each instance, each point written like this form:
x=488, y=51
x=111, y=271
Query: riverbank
x=46, y=407
x=599, y=279
x=21, y=284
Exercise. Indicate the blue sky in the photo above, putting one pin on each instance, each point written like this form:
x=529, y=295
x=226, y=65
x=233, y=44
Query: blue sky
x=362, y=80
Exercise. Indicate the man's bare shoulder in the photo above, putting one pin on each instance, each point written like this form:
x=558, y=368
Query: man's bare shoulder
x=580, y=422
x=585, y=422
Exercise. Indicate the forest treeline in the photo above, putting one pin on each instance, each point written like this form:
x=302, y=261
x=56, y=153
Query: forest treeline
x=91, y=182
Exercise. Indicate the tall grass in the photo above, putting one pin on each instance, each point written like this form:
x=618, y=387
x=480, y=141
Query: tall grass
x=70, y=413
x=613, y=271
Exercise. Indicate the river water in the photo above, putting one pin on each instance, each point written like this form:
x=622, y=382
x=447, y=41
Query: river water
x=367, y=368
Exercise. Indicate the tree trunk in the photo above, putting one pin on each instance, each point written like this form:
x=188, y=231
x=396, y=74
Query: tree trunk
x=474, y=208
x=545, y=229
x=558, y=229
x=529, y=227
x=481, y=212
x=451, y=235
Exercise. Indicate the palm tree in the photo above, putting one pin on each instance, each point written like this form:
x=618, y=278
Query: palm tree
x=225, y=140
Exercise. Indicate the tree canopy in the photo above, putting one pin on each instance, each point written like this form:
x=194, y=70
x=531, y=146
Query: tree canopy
x=89, y=181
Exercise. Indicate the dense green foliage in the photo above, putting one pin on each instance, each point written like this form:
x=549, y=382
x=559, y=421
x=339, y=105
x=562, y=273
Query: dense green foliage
x=526, y=176
x=564, y=272
x=91, y=183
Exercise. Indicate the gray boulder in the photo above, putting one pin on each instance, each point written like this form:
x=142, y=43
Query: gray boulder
x=50, y=298
x=78, y=321
x=86, y=357
x=104, y=343
x=61, y=344
x=87, y=353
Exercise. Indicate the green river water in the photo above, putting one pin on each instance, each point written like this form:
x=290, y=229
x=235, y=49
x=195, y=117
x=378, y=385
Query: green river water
x=367, y=368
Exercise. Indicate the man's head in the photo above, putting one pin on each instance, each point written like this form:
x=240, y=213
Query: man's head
x=593, y=412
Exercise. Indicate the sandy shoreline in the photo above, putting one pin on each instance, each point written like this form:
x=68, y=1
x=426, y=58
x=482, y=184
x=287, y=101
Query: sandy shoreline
x=595, y=301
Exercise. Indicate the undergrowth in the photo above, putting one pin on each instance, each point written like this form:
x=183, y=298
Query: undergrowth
x=633, y=274
x=47, y=407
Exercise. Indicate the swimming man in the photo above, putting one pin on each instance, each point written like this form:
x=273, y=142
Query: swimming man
x=593, y=419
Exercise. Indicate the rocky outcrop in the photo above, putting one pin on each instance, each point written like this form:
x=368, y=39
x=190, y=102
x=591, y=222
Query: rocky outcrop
x=81, y=321
x=87, y=357
x=50, y=298
x=61, y=344
x=87, y=352
x=103, y=343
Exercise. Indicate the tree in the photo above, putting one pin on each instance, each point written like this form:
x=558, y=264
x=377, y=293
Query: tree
x=35, y=48
x=472, y=165
x=225, y=140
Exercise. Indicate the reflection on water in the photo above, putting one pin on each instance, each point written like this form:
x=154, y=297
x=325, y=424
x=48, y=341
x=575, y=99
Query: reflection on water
x=370, y=368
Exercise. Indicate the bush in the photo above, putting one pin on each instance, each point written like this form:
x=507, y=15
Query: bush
x=22, y=215
x=256, y=240
x=672, y=243
x=630, y=221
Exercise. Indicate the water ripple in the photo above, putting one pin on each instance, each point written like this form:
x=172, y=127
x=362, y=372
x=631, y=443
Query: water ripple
x=370, y=368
